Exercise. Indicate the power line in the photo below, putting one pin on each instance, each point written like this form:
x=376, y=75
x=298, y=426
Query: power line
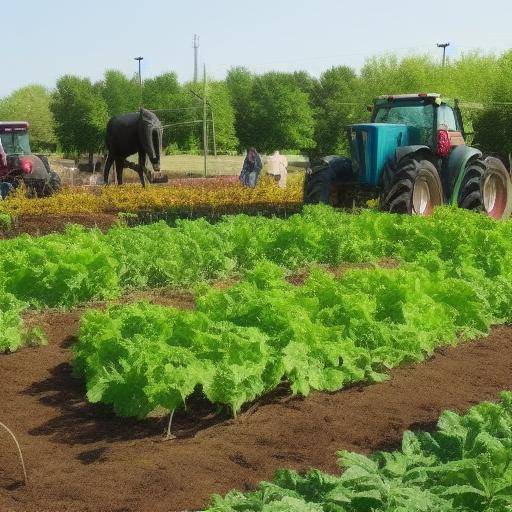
x=173, y=109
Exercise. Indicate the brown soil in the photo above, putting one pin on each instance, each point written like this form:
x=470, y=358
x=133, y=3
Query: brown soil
x=299, y=276
x=80, y=457
x=44, y=224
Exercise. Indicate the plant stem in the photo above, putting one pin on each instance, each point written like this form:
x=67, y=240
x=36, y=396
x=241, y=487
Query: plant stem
x=169, y=435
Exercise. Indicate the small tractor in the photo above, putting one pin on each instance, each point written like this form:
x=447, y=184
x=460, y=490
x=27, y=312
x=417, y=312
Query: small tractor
x=412, y=157
x=19, y=166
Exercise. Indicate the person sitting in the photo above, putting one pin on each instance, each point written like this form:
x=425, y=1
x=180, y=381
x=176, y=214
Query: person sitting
x=278, y=168
x=251, y=168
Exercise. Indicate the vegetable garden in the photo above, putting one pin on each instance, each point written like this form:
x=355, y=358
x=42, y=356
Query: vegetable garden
x=282, y=308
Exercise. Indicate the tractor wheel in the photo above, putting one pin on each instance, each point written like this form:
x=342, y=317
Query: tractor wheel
x=486, y=188
x=470, y=192
x=411, y=186
x=318, y=185
x=55, y=181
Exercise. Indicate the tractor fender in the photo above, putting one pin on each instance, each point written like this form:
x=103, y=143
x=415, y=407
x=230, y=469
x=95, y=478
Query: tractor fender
x=406, y=151
x=340, y=167
x=454, y=170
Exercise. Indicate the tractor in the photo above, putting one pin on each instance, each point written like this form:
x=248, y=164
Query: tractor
x=412, y=156
x=19, y=165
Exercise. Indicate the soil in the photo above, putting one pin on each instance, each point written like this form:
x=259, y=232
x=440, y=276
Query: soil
x=80, y=457
x=37, y=225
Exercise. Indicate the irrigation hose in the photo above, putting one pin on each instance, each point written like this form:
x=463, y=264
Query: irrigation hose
x=19, y=452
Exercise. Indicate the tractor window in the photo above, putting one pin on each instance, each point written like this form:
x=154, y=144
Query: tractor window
x=15, y=143
x=446, y=119
x=420, y=117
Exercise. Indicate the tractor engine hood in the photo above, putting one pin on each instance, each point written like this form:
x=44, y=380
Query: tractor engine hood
x=372, y=145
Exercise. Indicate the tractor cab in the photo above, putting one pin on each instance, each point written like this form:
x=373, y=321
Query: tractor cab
x=19, y=165
x=14, y=138
x=423, y=114
x=15, y=143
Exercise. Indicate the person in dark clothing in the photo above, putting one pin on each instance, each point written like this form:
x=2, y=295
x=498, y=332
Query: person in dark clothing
x=251, y=168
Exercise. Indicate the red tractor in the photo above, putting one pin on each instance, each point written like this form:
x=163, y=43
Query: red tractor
x=19, y=166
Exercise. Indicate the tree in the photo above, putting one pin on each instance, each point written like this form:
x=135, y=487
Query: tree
x=81, y=115
x=121, y=94
x=239, y=82
x=224, y=117
x=173, y=104
x=493, y=126
x=280, y=114
x=333, y=100
x=32, y=104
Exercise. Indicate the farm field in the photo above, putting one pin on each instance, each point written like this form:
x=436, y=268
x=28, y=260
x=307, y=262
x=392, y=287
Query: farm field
x=254, y=331
x=80, y=457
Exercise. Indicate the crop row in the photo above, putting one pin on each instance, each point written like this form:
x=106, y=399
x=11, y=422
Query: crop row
x=242, y=342
x=82, y=265
x=465, y=465
x=182, y=196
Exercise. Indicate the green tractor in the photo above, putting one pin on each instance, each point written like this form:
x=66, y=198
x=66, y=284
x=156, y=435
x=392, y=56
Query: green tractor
x=412, y=157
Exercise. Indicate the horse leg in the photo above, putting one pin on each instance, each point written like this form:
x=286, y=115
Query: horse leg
x=108, y=165
x=119, y=170
x=142, y=167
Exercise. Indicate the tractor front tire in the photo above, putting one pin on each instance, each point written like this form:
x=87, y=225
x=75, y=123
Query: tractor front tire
x=318, y=185
x=411, y=186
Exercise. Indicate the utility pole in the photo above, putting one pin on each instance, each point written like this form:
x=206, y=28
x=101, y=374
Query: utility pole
x=196, y=47
x=205, y=120
x=443, y=46
x=140, y=79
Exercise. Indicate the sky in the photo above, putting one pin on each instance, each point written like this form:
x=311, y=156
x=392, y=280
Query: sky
x=45, y=39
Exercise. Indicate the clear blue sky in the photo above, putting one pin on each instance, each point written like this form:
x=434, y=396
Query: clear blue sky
x=44, y=39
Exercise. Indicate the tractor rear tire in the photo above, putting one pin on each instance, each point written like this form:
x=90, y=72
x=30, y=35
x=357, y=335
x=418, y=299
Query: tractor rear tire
x=55, y=182
x=318, y=185
x=470, y=193
x=412, y=187
x=487, y=188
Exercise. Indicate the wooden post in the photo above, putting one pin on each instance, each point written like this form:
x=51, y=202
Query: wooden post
x=213, y=130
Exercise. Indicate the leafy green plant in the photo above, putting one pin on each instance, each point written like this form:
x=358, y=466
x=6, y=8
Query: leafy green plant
x=244, y=341
x=465, y=465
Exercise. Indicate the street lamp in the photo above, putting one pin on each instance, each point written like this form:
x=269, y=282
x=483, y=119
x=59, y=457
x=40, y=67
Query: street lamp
x=443, y=46
x=140, y=78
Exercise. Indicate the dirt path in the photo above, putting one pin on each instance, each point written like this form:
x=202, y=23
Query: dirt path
x=81, y=458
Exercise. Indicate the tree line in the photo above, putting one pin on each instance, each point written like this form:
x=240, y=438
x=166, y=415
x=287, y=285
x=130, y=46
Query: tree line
x=292, y=112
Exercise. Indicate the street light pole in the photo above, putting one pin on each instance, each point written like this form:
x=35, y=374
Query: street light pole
x=140, y=79
x=443, y=46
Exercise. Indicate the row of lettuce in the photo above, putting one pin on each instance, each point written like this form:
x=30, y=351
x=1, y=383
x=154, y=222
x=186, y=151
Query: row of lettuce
x=82, y=265
x=466, y=465
x=242, y=342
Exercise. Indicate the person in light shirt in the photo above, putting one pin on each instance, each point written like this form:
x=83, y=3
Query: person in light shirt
x=278, y=168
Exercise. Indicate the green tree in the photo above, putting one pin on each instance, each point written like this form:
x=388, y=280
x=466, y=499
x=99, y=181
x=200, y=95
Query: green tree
x=121, y=94
x=239, y=82
x=81, y=115
x=32, y=104
x=280, y=114
x=335, y=100
x=173, y=104
x=493, y=125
